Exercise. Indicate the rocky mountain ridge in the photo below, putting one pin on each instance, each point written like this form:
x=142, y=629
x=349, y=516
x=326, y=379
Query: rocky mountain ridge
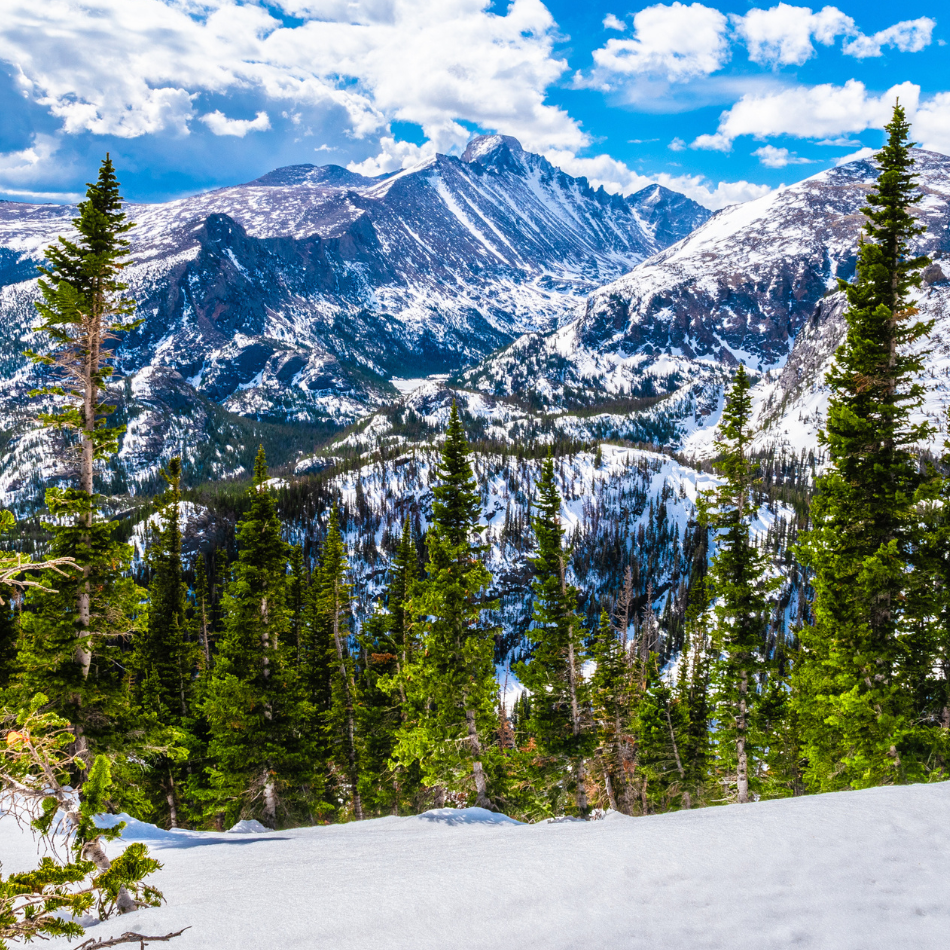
x=754, y=283
x=297, y=295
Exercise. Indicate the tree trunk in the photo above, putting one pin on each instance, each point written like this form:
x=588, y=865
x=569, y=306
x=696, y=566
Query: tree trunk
x=348, y=691
x=270, y=801
x=742, y=759
x=609, y=786
x=170, y=797
x=580, y=789
x=86, y=470
x=481, y=785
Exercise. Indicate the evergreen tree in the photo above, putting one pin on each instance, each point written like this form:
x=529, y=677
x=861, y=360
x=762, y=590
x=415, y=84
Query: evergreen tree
x=164, y=661
x=161, y=654
x=71, y=643
x=9, y=632
x=333, y=599
x=388, y=643
x=450, y=684
x=261, y=765
x=296, y=597
x=739, y=583
x=611, y=688
x=859, y=724
x=561, y=719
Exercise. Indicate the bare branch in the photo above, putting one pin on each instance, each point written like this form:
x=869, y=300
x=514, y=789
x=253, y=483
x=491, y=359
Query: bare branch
x=127, y=937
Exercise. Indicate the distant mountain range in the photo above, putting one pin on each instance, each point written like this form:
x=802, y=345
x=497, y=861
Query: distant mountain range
x=297, y=295
x=560, y=309
x=755, y=283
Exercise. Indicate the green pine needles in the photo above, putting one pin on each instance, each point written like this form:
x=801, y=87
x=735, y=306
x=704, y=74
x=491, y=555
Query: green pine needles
x=561, y=712
x=860, y=727
x=449, y=682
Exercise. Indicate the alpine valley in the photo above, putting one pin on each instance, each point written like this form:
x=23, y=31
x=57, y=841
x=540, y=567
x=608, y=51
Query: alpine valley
x=277, y=312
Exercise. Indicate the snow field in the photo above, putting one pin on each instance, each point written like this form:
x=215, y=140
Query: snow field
x=849, y=871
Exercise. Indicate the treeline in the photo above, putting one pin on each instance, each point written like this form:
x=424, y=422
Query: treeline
x=257, y=688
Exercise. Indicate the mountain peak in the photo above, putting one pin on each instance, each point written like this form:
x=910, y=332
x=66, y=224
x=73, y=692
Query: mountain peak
x=327, y=176
x=484, y=146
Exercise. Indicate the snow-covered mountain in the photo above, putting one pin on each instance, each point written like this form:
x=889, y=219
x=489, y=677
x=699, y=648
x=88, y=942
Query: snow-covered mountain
x=750, y=284
x=298, y=294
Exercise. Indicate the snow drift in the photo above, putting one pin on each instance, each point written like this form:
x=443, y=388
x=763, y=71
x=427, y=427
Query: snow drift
x=848, y=871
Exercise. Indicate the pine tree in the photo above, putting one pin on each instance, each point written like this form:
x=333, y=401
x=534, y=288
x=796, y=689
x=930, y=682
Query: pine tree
x=561, y=720
x=858, y=717
x=9, y=632
x=739, y=584
x=611, y=707
x=161, y=654
x=261, y=765
x=71, y=640
x=333, y=599
x=296, y=597
x=164, y=661
x=388, y=642
x=450, y=684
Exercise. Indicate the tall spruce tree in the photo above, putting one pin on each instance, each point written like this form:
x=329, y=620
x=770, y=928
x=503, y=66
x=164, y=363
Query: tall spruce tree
x=859, y=724
x=71, y=640
x=561, y=715
x=450, y=684
x=612, y=686
x=164, y=661
x=928, y=666
x=260, y=761
x=162, y=657
x=388, y=642
x=333, y=600
x=739, y=584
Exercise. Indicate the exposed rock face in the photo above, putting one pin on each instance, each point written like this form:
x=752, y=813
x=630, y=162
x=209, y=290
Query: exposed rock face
x=746, y=285
x=297, y=295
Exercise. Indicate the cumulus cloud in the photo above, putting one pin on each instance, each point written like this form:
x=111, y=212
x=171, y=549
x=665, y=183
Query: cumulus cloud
x=808, y=112
x=782, y=35
x=909, y=36
x=614, y=23
x=618, y=178
x=854, y=156
x=674, y=42
x=135, y=67
x=392, y=156
x=931, y=123
x=772, y=157
x=220, y=124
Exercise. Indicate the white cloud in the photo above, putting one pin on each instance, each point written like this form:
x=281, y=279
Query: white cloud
x=677, y=145
x=782, y=35
x=220, y=124
x=909, y=36
x=394, y=155
x=843, y=141
x=931, y=123
x=675, y=42
x=613, y=23
x=26, y=165
x=772, y=157
x=854, y=156
x=617, y=177
x=134, y=67
x=808, y=112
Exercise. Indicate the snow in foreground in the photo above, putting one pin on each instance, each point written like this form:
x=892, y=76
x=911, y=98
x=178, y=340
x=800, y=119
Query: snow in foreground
x=857, y=870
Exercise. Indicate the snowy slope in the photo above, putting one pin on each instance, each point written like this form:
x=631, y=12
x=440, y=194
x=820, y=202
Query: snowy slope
x=626, y=508
x=849, y=871
x=743, y=286
x=290, y=296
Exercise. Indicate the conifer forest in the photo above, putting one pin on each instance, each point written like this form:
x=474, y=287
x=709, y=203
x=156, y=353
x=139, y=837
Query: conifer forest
x=549, y=627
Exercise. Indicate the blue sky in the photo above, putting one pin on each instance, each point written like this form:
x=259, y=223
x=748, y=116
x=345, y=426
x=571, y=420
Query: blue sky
x=722, y=101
